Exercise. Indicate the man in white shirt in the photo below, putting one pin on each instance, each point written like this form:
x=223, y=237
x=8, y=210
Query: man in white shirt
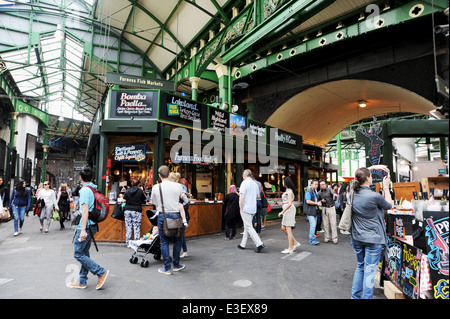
x=248, y=194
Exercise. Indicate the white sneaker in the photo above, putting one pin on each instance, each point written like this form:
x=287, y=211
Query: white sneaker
x=345, y=232
x=296, y=246
x=16, y=233
x=287, y=251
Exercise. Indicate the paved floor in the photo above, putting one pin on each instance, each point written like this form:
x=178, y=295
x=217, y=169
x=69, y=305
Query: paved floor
x=37, y=265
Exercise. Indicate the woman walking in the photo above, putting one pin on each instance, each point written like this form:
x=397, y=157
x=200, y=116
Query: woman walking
x=288, y=213
x=63, y=200
x=368, y=235
x=20, y=203
x=49, y=197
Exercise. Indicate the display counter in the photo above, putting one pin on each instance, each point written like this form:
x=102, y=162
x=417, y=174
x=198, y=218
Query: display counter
x=205, y=218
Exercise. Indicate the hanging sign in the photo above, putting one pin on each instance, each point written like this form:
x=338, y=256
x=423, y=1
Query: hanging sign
x=139, y=104
x=256, y=131
x=182, y=111
x=124, y=153
x=139, y=81
x=286, y=139
x=218, y=120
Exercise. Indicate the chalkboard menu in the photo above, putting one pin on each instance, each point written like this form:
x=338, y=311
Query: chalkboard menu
x=219, y=120
x=179, y=110
x=137, y=104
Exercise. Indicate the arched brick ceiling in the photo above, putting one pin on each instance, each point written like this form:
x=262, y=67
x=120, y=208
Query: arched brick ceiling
x=321, y=112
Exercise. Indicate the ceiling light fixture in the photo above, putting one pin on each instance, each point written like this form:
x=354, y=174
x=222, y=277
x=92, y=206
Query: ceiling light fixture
x=59, y=34
x=362, y=103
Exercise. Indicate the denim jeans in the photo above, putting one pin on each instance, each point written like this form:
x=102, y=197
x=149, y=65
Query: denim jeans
x=367, y=258
x=165, y=243
x=312, y=228
x=81, y=254
x=19, y=214
x=257, y=217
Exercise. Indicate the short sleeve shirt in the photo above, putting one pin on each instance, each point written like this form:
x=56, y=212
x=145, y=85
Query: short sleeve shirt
x=250, y=191
x=87, y=197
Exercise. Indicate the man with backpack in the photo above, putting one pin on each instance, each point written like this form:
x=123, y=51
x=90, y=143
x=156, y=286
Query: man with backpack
x=86, y=230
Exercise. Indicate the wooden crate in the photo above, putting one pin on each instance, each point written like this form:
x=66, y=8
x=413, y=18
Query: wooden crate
x=392, y=292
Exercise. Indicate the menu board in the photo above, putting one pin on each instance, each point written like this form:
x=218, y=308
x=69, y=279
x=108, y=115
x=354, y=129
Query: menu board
x=256, y=131
x=219, y=120
x=182, y=111
x=140, y=104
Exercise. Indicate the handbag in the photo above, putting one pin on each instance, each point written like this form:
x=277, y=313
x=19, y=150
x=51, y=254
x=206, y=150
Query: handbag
x=118, y=212
x=346, y=220
x=171, y=227
x=5, y=214
x=37, y=209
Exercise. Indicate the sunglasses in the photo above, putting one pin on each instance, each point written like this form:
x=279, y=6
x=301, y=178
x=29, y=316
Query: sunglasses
x=45, y=184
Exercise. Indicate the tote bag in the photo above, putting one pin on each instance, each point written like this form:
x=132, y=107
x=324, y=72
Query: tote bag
x=346, y=219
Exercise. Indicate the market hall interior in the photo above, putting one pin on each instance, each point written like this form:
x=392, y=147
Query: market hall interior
x=128, y=86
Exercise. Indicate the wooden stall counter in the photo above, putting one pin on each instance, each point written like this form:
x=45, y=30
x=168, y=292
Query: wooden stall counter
x=113, y=230
x=205, y=218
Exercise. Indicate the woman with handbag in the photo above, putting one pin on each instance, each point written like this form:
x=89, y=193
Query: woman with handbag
x=49, y=197
x=368, y=233
x=20, y=203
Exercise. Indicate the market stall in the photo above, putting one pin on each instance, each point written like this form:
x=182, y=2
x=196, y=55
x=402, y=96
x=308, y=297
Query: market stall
x=207, y=147
x=416, y=259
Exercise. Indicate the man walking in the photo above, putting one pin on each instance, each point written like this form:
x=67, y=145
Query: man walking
x=172, y=192
x=311, y=210
x=327, y=195
x=248, y=194
x=86, y=230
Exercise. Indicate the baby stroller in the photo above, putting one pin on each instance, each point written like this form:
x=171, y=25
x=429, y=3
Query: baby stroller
x=143, y=248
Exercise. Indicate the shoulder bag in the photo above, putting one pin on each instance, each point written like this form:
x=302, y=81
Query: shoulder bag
x=172, y=227
x=346, y=219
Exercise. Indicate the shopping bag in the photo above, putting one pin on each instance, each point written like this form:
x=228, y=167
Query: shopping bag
x=55, y=217
x=346, y=220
